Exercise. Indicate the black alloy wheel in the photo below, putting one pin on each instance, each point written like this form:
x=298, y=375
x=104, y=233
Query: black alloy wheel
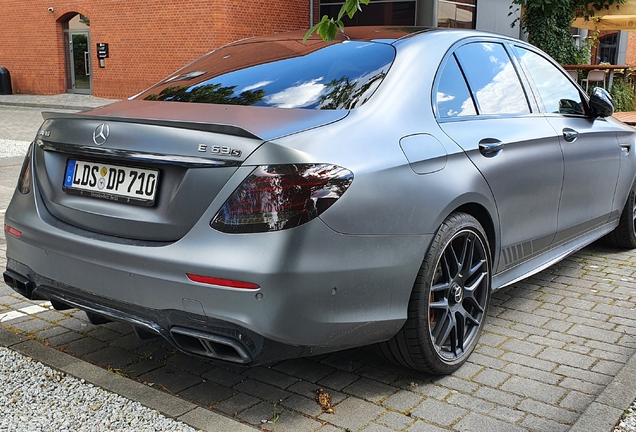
x=449, y=302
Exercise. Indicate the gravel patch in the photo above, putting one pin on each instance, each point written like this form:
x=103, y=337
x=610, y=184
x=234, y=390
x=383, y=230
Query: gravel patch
x=12, y=148
x=34, y=397
x=628, y=422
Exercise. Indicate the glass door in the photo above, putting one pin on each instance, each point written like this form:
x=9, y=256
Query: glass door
x=78, y=55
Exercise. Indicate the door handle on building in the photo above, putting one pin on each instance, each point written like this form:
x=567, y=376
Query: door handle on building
x=87, y=66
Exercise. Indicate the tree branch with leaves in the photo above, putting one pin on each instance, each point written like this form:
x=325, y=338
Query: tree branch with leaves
x=327, y=28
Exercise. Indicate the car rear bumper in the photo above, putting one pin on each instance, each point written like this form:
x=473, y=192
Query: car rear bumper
x=318, y=290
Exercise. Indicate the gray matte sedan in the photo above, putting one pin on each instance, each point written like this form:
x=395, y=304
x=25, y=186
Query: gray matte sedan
x=277, y=199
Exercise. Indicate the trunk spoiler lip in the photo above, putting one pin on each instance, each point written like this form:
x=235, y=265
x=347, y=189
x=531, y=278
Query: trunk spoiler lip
x=205, y=127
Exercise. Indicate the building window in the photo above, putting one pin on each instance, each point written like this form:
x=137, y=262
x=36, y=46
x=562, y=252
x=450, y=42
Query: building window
x=608, y=48
x=377, y=12
x=456, y=13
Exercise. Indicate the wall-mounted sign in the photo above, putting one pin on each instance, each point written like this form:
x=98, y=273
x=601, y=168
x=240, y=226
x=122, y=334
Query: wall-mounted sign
x=102, y=50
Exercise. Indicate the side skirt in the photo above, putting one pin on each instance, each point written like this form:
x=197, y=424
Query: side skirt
x=549, y=257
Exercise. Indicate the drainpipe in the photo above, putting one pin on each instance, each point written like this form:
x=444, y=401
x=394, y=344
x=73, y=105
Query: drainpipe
x=311, y=13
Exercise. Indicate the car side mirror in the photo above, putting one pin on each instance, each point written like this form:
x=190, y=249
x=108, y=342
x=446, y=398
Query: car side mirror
x=601, y=103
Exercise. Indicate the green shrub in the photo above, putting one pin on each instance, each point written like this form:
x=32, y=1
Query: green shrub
x=623, y=95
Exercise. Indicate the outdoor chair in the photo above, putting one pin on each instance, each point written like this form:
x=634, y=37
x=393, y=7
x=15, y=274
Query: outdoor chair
x=594, y=76
x=574, y=74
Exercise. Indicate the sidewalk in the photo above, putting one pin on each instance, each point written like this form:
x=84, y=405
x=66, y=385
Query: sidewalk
x=66, y=101
x=557, y=354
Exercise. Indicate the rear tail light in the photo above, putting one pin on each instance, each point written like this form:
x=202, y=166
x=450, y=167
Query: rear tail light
x=278, y=197
x=24, y=181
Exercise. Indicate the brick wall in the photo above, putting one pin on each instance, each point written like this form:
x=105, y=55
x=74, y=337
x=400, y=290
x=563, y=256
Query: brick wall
x=148, y=39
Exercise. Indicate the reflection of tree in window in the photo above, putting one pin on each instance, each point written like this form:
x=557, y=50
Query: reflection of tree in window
x=342, y=93
x=210, y=93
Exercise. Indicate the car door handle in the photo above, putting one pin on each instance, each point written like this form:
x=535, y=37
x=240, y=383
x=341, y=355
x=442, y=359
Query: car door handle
x=570, y=135
x=490, y=147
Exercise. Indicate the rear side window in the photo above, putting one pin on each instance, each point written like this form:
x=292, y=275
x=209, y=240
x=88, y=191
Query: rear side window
x=283, y=74
x=453, y=97
x=493, y=79
x=557, y=93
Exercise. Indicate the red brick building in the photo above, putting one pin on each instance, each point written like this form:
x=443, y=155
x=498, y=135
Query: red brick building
x=50, y=46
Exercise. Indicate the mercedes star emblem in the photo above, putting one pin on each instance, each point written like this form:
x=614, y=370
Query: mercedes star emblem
x=101, y=134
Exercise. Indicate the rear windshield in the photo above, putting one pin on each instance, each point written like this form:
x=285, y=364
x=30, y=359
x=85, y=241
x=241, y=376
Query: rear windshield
x=283, y=74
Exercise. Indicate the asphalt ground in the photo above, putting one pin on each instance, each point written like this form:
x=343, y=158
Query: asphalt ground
x=557, y=354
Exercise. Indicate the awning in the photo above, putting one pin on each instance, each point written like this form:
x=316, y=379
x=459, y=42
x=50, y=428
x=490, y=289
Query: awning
x=617, y=17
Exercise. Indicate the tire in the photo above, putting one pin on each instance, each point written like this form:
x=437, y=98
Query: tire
x=624, y=235
x=449, y=301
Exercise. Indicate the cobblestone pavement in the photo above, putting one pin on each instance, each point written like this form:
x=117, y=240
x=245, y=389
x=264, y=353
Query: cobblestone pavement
x=551, y=346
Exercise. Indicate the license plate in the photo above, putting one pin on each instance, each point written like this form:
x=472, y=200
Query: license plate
x=111, y=182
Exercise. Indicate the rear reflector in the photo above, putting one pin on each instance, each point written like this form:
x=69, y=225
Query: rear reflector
x=222, y=282
x=12, y=230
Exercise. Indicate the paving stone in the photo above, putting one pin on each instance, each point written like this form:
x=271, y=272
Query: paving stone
x=189, y=364
x=491, y=377
x=491, y=339
x=104, y=334
x=591, y=377
x=270, y=376
x=521, y=304
x=45, y=335
x=263, y=391
x=369, y=390
x=384, y=376
x=338, y=380
x=207, y=394
x=433, y=391
x=64, y=338
x=543, y=425
x=340, y=362
x=439, y=413
x=76, y=325
x=84, y=346
x=592, y=323
x=236, y=404
x=305, y=369
x=32, y=325
x=607, y=367
x=374, y=427
x=309, y=390
x=223, y=377
x=135, y=370
x=260, y=414
x=457, y=384
x=548, y=411
x=582, y=386
x=173, y=380
x=533, y=389
x=506, y=414
x=471, y=403
x=478, y=422
x=577, y=401
x=489, y=351
x=395, y=420
x=524, y=371
x=402, y=401
x=353, y=414
x=112, y=357
x=532, y=362
x=524, y=318
x=484, y=360
x=292, y=422
x=467, y=371
x=420, y=426
x=521, y=347
x=546, y=341
x=303, y=404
